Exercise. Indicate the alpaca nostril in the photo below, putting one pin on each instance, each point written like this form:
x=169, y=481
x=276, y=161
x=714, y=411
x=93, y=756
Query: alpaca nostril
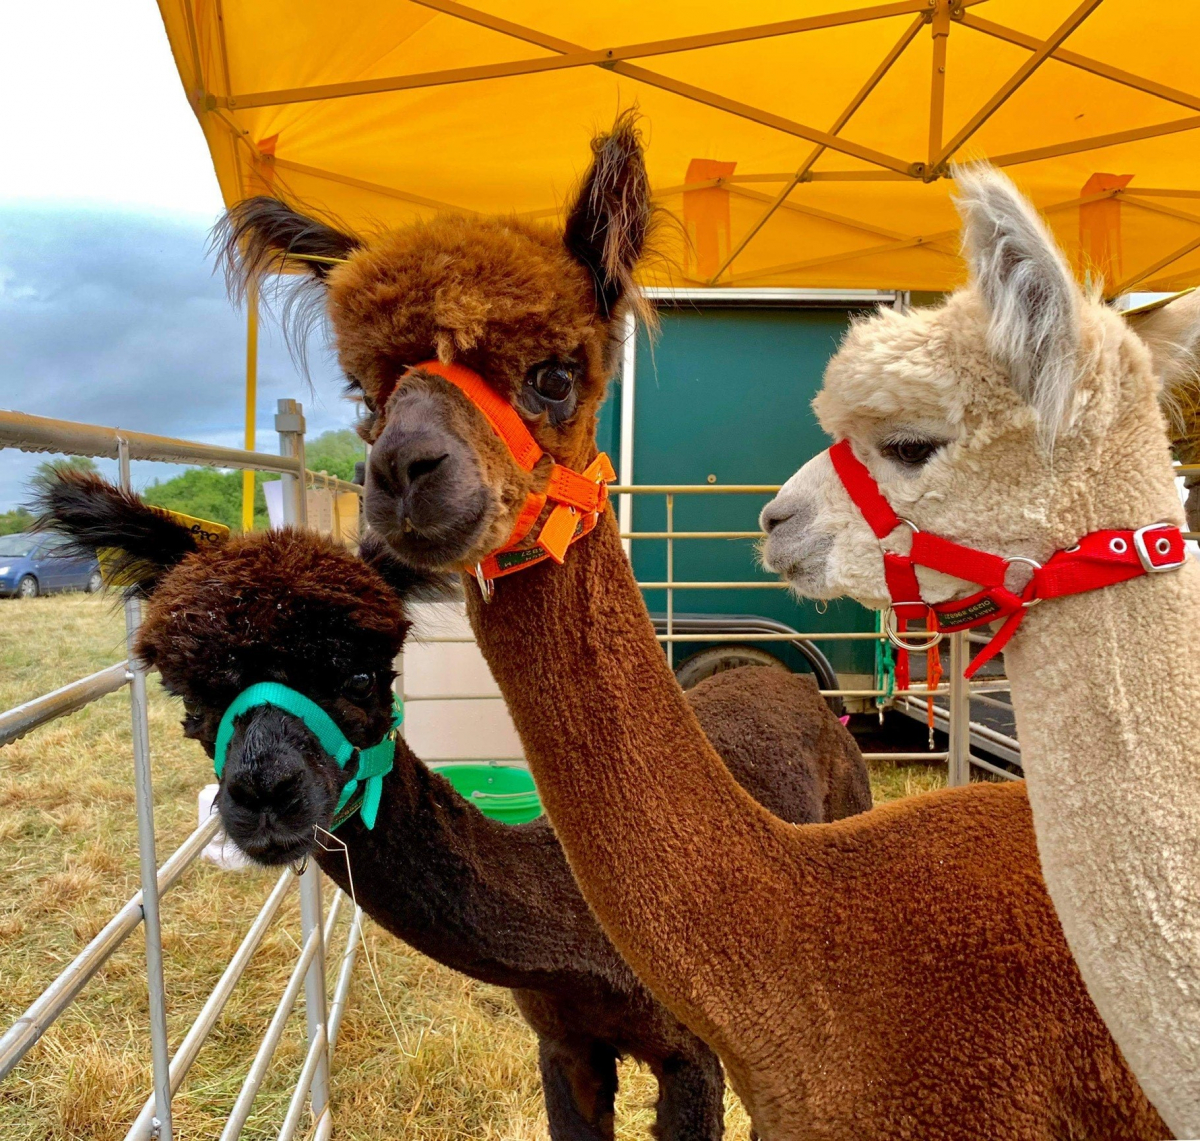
x=770, y=520
x=419, y=468
x=248, y=796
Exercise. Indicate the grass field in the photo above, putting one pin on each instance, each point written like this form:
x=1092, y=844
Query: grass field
x=464, y=1066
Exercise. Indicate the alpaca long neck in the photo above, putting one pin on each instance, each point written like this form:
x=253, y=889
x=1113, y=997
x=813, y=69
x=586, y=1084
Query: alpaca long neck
x=495, y=902
x=1114, y=782
x=667, y=848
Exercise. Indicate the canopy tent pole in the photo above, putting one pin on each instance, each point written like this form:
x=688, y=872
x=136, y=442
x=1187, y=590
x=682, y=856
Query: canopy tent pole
x=251, y=400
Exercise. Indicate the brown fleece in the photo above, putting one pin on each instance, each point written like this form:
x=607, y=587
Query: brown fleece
x=900, y=974
x=414, y=295
x=769, y=719
x=208, y=620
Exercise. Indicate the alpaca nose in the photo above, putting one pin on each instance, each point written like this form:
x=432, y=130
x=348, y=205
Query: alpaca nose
x=261, y=789
x=402, y=463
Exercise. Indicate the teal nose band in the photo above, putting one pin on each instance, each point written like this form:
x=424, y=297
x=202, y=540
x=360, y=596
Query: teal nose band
x=373, y=763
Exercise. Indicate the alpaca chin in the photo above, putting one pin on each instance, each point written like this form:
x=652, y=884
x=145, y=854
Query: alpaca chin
x=271, y=847
x=802, y=557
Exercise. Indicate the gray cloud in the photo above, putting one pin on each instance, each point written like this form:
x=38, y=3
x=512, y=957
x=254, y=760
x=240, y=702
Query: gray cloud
x=116, y=318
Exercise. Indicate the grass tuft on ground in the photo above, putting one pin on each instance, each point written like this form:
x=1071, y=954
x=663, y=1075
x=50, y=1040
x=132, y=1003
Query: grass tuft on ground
x=465, y=1066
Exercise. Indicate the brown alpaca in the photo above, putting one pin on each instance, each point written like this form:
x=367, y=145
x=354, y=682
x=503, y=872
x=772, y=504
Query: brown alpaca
x=495, y=902
x=901, y=974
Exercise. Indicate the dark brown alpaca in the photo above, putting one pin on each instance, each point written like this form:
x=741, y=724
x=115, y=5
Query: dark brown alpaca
x=495, y=902
x=901, y=974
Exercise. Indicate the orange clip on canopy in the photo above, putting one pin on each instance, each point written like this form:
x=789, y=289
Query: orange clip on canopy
x=798, y=142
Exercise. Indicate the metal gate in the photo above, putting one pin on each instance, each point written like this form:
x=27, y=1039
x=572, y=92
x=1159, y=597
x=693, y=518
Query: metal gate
x=38, y=434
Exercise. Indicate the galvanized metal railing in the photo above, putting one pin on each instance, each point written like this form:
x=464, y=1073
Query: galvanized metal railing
x=41, y=434
x=954, y=718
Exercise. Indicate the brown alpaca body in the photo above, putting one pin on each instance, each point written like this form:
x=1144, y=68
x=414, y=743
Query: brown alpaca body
x=498, y=903
x=900, y=974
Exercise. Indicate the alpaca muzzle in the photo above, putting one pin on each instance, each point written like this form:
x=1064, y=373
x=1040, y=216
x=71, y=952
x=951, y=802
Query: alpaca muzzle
x=368, y=766
x=425, y=494
x=576, y=499
x=273, y=791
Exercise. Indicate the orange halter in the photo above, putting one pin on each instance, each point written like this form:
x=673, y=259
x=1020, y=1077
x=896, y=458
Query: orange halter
x=578, y=498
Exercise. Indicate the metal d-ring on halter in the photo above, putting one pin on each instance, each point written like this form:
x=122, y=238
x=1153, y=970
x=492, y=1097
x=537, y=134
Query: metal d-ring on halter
x=487, y=586
x=891, y=621
x=1035, y=566
x=891, y=629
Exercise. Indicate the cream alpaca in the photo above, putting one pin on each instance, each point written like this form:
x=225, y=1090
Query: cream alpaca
x=1016, y=418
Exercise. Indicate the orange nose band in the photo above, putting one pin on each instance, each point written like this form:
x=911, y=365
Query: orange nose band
x=578, y=498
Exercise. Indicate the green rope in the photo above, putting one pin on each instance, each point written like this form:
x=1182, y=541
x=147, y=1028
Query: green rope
x=885, y=666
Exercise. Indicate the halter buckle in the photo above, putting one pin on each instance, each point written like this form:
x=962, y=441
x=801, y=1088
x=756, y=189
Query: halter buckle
x=1143, y=554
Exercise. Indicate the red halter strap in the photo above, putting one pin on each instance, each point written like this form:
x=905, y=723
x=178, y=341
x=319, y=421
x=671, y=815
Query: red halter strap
x=578, y=497
x=1099, y=559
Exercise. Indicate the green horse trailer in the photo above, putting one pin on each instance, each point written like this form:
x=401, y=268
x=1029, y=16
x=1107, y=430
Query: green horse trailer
x=719, y=398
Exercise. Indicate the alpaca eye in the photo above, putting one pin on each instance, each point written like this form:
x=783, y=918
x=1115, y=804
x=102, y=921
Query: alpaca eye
x=553, y=380
x=359, y=687
x=911, y=453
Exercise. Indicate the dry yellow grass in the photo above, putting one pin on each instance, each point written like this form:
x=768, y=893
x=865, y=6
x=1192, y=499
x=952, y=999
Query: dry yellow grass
x=466, y=1064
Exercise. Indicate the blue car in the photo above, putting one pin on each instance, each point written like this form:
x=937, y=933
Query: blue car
x=36, y=564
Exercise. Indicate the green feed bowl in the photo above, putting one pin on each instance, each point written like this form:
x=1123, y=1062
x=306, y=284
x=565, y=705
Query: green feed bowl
x=503, y=792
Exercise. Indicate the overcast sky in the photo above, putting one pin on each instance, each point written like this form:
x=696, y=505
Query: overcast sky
x=109, y=310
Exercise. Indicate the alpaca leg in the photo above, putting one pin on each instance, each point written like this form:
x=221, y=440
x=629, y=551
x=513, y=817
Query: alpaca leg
x=691, y=1092
x=579, y=1083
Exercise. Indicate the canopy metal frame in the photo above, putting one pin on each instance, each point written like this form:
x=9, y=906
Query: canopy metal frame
x=940, y=17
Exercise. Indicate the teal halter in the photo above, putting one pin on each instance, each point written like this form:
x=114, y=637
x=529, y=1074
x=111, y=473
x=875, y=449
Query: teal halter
x=373, y=763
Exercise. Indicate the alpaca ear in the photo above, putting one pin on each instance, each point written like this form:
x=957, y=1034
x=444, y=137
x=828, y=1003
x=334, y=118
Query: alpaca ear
x=607, y=225
x=263, y=235
x=1030, y=296
x=409, y=584
x=142, y=542
x=1172, y=334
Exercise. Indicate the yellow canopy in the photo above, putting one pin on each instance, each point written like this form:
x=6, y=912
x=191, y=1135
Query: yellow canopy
x=798, y=143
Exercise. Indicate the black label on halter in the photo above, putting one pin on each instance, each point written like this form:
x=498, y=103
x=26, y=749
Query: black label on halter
x=978, y=610
x=510, y=559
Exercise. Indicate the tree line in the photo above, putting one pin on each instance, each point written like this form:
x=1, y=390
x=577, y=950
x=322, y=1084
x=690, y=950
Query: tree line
x=211, y=494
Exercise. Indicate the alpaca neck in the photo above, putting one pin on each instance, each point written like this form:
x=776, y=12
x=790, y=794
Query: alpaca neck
x=495, y=902
x=1114, y=783
x=660, y=837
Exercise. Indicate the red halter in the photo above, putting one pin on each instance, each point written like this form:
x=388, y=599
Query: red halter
x=1097, y=560
x=578, y=498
